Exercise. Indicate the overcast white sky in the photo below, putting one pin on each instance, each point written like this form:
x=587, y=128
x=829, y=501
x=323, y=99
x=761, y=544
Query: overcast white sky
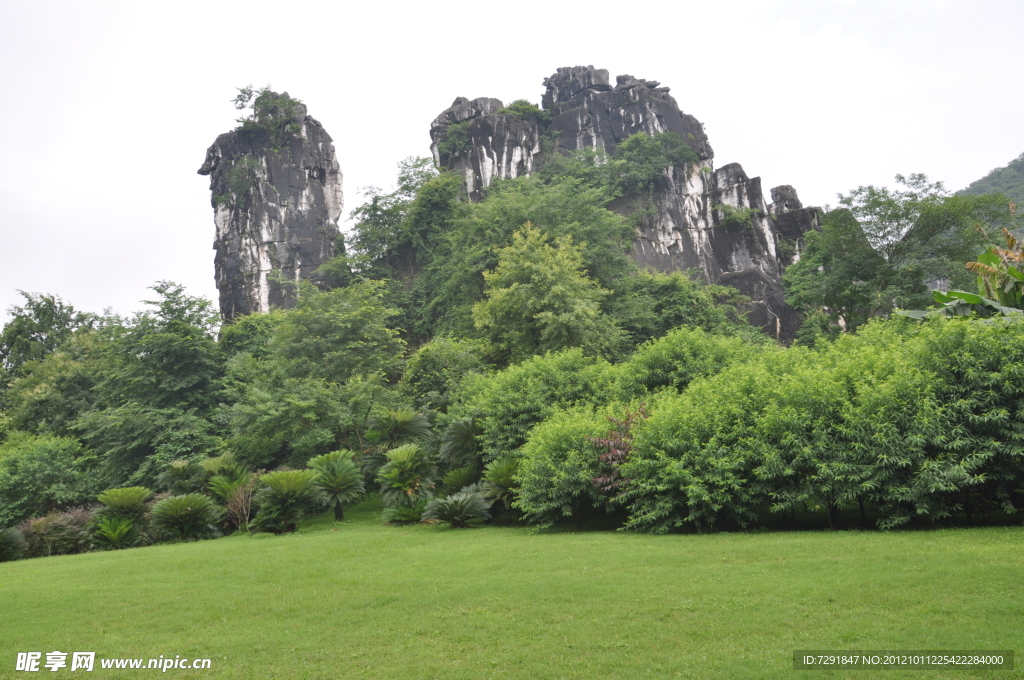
x=108, y=107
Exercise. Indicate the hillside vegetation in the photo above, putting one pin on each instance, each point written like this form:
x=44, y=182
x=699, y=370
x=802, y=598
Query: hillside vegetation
x=1008, y=180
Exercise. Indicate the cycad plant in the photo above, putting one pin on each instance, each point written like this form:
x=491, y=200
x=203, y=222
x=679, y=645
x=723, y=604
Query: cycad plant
x=459, y=510
x=12, y=544
x=459, y=445
x=222, y=466
x=116, y=533
x=127, y=502
x=189, y=516
x=499, y=480
x=407, y=477
x=181, y=477
x=339, y=480
x=283, y=498
x=459, y=478
x=392, y=428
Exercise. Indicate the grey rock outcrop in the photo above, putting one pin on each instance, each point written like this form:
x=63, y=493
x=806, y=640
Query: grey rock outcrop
x=484, y=145
x=716, y=221
x=276, y=212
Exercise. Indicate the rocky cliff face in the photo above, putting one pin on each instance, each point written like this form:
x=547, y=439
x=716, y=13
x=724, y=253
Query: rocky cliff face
x=714, y=220
x=276, y=210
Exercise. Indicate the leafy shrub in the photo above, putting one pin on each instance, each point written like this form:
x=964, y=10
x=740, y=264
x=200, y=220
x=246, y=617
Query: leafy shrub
x=189, y=516
x=437, y=368
x=390, y=428
x=283, y=499
x=42, y=473
x=116, y=533
x=129, y=502
x=407, y=477
x=500, y=483
x=509, y=403
x=682, y=356
x=339, y=480
x=558, y=465
x=239, y=500
x=12, y=544
x=456, y=140
x=58, y=533
x=405, y=514
x=459, y=510
x=181, y=477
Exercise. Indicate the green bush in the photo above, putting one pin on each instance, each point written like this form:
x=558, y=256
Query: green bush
x=459, y=444
x=43, y=473
x=339, y=479
x=405, y=514
x=12, y=544
x=509, y=403
x=557, y=469
x=407, y=477
x=116, y=533
x=460, y=510
x=283, y=499
x=58, y=533
x=129, y=502
x=461, y=477
x=181, y=477
x=680, y=357
x=500, y=483
x=189, y=516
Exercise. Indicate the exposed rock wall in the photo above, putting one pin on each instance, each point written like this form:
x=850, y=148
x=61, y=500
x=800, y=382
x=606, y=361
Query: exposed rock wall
x=716, y=221
x=499, y=146
x=276, y=212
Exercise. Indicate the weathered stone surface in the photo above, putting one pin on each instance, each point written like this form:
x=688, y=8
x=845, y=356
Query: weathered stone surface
x=716, y=221
x=276, y=212
x=590, y=113
x=501, y=146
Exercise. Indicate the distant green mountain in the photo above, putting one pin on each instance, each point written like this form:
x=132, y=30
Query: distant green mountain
x=1008, y=180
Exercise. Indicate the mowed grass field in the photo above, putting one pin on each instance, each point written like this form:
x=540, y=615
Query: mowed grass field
x=364, y=600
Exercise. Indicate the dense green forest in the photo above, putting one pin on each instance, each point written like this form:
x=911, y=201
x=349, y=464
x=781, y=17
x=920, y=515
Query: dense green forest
x=506, y=360
x=1008, y=181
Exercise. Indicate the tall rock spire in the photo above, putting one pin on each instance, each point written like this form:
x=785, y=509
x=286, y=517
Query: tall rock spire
x=276, y=198
x=716, y=221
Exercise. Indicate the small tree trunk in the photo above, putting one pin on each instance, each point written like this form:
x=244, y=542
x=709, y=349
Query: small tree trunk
x=339, y=514
x=863, y=517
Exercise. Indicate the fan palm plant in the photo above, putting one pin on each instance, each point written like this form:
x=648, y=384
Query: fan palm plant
x=459, y=510
x=392, y=428
x=407, y=476
x=339, y=480
x=188, y=516
x=459, y=445
x=284, y=497
x=12, y=544
x=181, y=477
x=460, y=478
x=116, y=533
x=499, y=480
x=128, y=502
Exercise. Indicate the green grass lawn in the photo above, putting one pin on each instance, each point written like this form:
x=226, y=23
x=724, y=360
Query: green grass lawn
x=363, y=600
